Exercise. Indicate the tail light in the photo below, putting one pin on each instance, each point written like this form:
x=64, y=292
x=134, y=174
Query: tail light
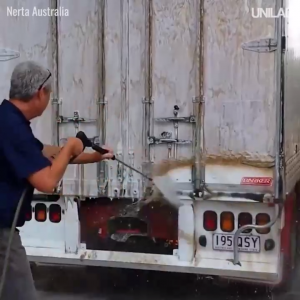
x=227, y=221
x=210, y=220
x=245, y=219
x=28, y=214
x=55, y=213
x=263, y=219
x=40, y=212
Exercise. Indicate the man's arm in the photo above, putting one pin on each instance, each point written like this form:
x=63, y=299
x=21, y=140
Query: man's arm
x=51, y=153
x=27, y=161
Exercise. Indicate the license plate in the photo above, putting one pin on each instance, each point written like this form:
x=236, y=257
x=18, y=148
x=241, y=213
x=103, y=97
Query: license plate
x=246, y=243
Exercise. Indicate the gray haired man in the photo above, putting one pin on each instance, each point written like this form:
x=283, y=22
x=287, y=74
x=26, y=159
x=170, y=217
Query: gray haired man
x=26, y=164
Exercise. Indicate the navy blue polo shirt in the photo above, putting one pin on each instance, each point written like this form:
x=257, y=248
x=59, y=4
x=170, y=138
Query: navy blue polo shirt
x=20, y=156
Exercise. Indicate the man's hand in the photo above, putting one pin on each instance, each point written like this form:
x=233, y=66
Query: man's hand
x=94, y=157
x=99, y=157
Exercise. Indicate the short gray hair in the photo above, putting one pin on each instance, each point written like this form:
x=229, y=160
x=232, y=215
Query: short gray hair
x=26, y=79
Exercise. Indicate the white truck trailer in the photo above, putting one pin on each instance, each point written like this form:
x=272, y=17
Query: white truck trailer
x=159, y=79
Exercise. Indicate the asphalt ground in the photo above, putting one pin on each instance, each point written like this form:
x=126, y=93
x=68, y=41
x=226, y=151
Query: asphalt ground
x=117, y=284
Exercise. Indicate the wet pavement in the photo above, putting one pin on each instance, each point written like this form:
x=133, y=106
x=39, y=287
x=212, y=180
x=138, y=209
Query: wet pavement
x=113, y=284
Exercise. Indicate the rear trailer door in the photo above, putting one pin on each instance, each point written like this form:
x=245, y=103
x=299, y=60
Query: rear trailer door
x=237, y=135
x=239, y=109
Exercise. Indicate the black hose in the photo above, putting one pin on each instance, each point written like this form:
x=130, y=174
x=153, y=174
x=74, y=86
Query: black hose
x=10, y=239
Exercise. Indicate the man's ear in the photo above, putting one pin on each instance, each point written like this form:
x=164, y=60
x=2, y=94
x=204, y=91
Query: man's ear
x=42, y=93
x=39, y=95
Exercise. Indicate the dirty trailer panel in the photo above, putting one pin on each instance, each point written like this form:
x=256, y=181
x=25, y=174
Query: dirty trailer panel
x=121, y=65
x=239, y=91
x=150, y=66
x=238, y=84
x=125, y=83
x=175, y=72
x=15, y=47
x=78, y=86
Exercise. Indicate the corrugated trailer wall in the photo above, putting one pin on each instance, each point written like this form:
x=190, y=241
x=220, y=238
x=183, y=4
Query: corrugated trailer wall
x=240, y=125
x=149, y=51
x=239, y=84
x=116, y=64
x=119, y=64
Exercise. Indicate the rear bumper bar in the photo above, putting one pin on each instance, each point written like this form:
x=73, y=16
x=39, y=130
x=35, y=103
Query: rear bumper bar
x=167, y=263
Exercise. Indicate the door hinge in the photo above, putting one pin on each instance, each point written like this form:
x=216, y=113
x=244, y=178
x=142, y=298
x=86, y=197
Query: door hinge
x=261, y=46
x=168, y=140
x=76, y=119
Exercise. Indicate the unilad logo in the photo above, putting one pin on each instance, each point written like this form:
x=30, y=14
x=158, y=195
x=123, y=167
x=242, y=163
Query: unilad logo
x=270, y=12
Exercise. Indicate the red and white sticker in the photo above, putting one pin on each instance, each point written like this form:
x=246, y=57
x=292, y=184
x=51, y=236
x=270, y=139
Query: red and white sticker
x=262, y=181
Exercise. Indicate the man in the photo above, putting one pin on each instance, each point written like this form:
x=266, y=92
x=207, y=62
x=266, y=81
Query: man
x=25, y=164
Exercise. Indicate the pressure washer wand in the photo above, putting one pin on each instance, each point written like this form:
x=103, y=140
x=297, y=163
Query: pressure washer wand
x=104, y=151
x=87, y=143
